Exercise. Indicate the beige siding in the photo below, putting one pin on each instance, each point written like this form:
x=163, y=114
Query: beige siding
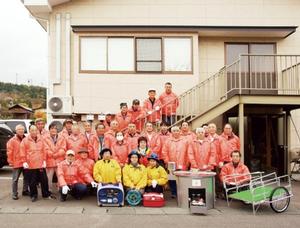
x=95, y=93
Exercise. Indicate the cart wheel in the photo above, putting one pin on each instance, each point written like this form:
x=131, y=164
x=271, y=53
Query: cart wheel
x=281, y=198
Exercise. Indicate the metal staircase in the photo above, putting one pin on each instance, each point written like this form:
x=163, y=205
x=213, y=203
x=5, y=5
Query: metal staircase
x=265, y=77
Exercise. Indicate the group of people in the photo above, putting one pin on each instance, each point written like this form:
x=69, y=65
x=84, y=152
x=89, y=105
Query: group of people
x=126, y=149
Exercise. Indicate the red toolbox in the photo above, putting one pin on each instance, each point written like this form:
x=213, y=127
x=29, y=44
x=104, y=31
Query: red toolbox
x=153, y=199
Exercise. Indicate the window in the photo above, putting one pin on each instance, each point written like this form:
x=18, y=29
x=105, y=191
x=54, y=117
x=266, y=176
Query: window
x=93, y=54
x=120, y=54
x=177, y=54
x=135, y=54
x=148, y=55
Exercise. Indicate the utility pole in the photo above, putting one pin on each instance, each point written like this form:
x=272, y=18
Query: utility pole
x=16, y=78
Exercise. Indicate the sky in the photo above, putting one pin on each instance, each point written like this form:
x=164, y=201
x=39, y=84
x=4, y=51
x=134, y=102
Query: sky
x=23, y=46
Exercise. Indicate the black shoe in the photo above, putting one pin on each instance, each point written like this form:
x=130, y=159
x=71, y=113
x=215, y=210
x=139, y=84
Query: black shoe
x=25, y=193
x=15, y=197
x=33, y=199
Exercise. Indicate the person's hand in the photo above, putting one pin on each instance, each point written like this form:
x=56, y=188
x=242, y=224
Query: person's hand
x=157, y=108
x=25, y=165
x=221, y=164
x=94, y=184
x=154, y=183
x=44, y=164
x=149, y=112
x=204, y=166
x=65, y=189
x=232, y=183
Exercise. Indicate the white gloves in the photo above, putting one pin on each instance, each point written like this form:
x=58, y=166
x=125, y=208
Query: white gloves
x=154, y=183
x=44, y=164
x=149, y=112
x=94, y=184
x=25, y=165
x=65, y=189
x=157, y=108
x=221, y=164
x=232, y=183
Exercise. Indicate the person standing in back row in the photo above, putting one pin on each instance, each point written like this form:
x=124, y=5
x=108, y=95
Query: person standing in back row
x=170, y=103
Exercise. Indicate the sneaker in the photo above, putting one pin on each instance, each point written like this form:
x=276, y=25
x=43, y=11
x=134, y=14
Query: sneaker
x=25, y=193
x=15, y=197
x=51, y=197
x=33, y=199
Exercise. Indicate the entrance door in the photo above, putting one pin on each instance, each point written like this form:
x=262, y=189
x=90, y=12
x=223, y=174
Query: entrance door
x=265, y=150
x=258, y=74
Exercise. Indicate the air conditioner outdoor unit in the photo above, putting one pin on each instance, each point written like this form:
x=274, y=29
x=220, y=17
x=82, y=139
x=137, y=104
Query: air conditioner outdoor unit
x=60, y=105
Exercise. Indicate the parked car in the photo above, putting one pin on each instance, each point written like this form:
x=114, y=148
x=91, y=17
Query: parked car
x=12, y=123
x=5, y=134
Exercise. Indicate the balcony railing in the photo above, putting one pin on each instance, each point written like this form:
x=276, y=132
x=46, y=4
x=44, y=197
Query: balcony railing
x=250, y=74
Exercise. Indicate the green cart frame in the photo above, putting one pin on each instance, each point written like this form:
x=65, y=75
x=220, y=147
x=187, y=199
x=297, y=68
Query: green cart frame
x=260, y=189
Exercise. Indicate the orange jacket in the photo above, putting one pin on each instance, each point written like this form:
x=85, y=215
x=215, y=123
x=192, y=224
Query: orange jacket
x=123, y=120
x=44, y=133
x=87, y=164
x=13, y=152
x=155, y=116
x=120, y=152
x=33, y=152
x=228, y=144
x=55, y=152
x=160, y=142
x=175, y=150
x=109, y=139
x=151, y=139
x=189, y=136
x=169, y=102
x=64, y=133
x=76, y=143
x=229, y=169
x=215, y=147
x=132, y=140
x=199, y=154
x=138, y=118
x=70, y=174
x=88, y=136
x=95, y=147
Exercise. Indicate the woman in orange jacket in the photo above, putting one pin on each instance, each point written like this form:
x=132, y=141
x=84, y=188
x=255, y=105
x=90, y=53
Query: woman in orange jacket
x=120, y=149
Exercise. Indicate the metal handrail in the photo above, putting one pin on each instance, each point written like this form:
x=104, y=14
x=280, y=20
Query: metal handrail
x=258, y=74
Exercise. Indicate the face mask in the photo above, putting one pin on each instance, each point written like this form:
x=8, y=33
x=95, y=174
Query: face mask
x=119, y=137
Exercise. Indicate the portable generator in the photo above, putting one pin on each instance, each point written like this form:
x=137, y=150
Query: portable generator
x=110, y=195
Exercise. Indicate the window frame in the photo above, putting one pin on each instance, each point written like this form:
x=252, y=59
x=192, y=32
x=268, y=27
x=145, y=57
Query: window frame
x=135, y=37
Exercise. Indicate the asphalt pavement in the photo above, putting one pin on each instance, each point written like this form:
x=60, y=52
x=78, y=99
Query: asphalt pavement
x=86, y=213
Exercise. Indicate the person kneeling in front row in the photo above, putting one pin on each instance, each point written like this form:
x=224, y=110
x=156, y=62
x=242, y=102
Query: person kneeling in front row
x=68, y=174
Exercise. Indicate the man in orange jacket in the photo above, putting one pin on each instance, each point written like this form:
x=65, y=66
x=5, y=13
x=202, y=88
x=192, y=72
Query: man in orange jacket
x=170, y=103
x=110, y=135
x=175, y=149
x=88, y=132
x=40, y=124
x=69, y=175
x=76, y=141
x=123, y=117
x=14, y=160
x=138, y=115
x=199, y=152
x=162, y=137
x=235, y=167
x=132, y=136
x=215, y=143
x=67, y=128
x=56, y=149
x=84, y=161
x=186, y=132
x=229, y=143
x=152, y=107
x=151, y=136
x=33, y=157
x=96, y=142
